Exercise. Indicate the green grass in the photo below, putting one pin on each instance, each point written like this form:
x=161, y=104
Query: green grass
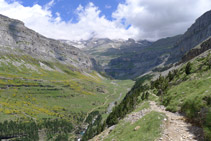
x=141, y=106
x=192, y=90
x=150, y=129
x=30, y=91
x=191, y=94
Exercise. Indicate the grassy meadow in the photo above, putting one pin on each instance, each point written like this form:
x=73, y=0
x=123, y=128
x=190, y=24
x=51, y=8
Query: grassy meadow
x=37, y=89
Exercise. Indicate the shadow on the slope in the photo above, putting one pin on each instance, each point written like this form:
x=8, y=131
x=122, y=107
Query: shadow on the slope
x=197, y=132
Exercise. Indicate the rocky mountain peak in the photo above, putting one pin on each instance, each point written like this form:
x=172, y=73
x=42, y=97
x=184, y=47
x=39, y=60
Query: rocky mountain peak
x=17, y=39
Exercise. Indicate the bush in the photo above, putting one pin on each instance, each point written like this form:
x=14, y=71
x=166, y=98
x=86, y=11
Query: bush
x=62, y=138
x=188, y=68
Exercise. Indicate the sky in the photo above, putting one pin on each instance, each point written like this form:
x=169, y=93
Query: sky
x=114, y=19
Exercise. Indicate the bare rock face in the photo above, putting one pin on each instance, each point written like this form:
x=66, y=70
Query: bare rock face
x=138, y=59
x=206, y=45
x=196, y=34
x=167, y=51
x=15, y=38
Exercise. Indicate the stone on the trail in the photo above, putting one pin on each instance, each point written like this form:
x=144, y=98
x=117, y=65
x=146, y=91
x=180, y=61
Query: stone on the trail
x=165, y=119
x=136, y=128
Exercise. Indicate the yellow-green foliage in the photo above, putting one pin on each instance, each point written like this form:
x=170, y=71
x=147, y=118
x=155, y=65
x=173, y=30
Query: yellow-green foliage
x=34, y=92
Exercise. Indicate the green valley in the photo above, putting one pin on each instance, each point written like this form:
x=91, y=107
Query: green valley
x=100, y=84
x=180, y=91
x=33, y=89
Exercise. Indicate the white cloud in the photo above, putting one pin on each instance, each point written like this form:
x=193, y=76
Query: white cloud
x=161, y=18
x=90, y=23
x=151, y=19
x=49, y=5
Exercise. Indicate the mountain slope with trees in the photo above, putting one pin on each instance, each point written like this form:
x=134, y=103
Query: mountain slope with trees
x=185, y=90
x=47, y=84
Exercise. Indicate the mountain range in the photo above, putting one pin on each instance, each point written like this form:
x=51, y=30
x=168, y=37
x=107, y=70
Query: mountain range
x=126, y=59
x=67, y=90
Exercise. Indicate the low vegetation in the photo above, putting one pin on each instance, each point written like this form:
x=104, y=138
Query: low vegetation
x=186, y=90
x=34, y=90
x=150, y=129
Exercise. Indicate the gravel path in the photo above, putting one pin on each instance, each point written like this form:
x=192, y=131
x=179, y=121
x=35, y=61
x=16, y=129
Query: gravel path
x=176, y=128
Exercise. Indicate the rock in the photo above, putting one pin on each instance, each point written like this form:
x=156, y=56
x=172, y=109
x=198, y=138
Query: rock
x=17, y=39
x=146, y=58
x=136, y=128
x=138, y=58
x=206, y=45
x=196, y=34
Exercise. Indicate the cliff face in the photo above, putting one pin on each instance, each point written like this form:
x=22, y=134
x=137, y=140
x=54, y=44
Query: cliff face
x=197, y=33
x=140, y=59
x=206, y=45
x=15, y=38
x=169, y=50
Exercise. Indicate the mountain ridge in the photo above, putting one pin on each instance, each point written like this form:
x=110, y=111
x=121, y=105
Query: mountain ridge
x=196, y=33
x=175, y=47
x=20, y=39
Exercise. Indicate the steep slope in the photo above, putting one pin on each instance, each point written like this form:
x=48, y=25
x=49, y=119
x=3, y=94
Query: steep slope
x=104, y=49
x=206, y=45
x=185, y=92
x=48, y=88
x=197, y=33
x=15, y=38
x=169, y=50
x=137, y=62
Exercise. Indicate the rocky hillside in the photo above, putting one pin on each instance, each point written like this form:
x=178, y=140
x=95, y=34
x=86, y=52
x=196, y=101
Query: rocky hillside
x=104, y=49
x=130, y=59
x=206, y=45
x=17, y=39
x=167, y=51
x=49, y=86
x=173, y=106
x=143, y=59
x=197, y=33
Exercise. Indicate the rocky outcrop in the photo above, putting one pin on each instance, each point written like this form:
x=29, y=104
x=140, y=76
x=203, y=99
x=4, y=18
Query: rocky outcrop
x=104, y=50
x=141, y=61
x=138, y=59
x=15, y=38
x=196, y=34
x=197, y=51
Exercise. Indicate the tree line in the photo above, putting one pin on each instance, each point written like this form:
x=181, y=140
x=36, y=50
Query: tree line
x=29, y=130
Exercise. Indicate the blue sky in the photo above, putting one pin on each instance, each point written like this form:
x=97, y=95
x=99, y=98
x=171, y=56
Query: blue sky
x=66, y=8
x=114, y=19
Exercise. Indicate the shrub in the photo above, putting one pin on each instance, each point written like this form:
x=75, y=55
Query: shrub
x=188, y=68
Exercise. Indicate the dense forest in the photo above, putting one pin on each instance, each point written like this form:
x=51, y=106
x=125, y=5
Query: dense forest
x=29, y=130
